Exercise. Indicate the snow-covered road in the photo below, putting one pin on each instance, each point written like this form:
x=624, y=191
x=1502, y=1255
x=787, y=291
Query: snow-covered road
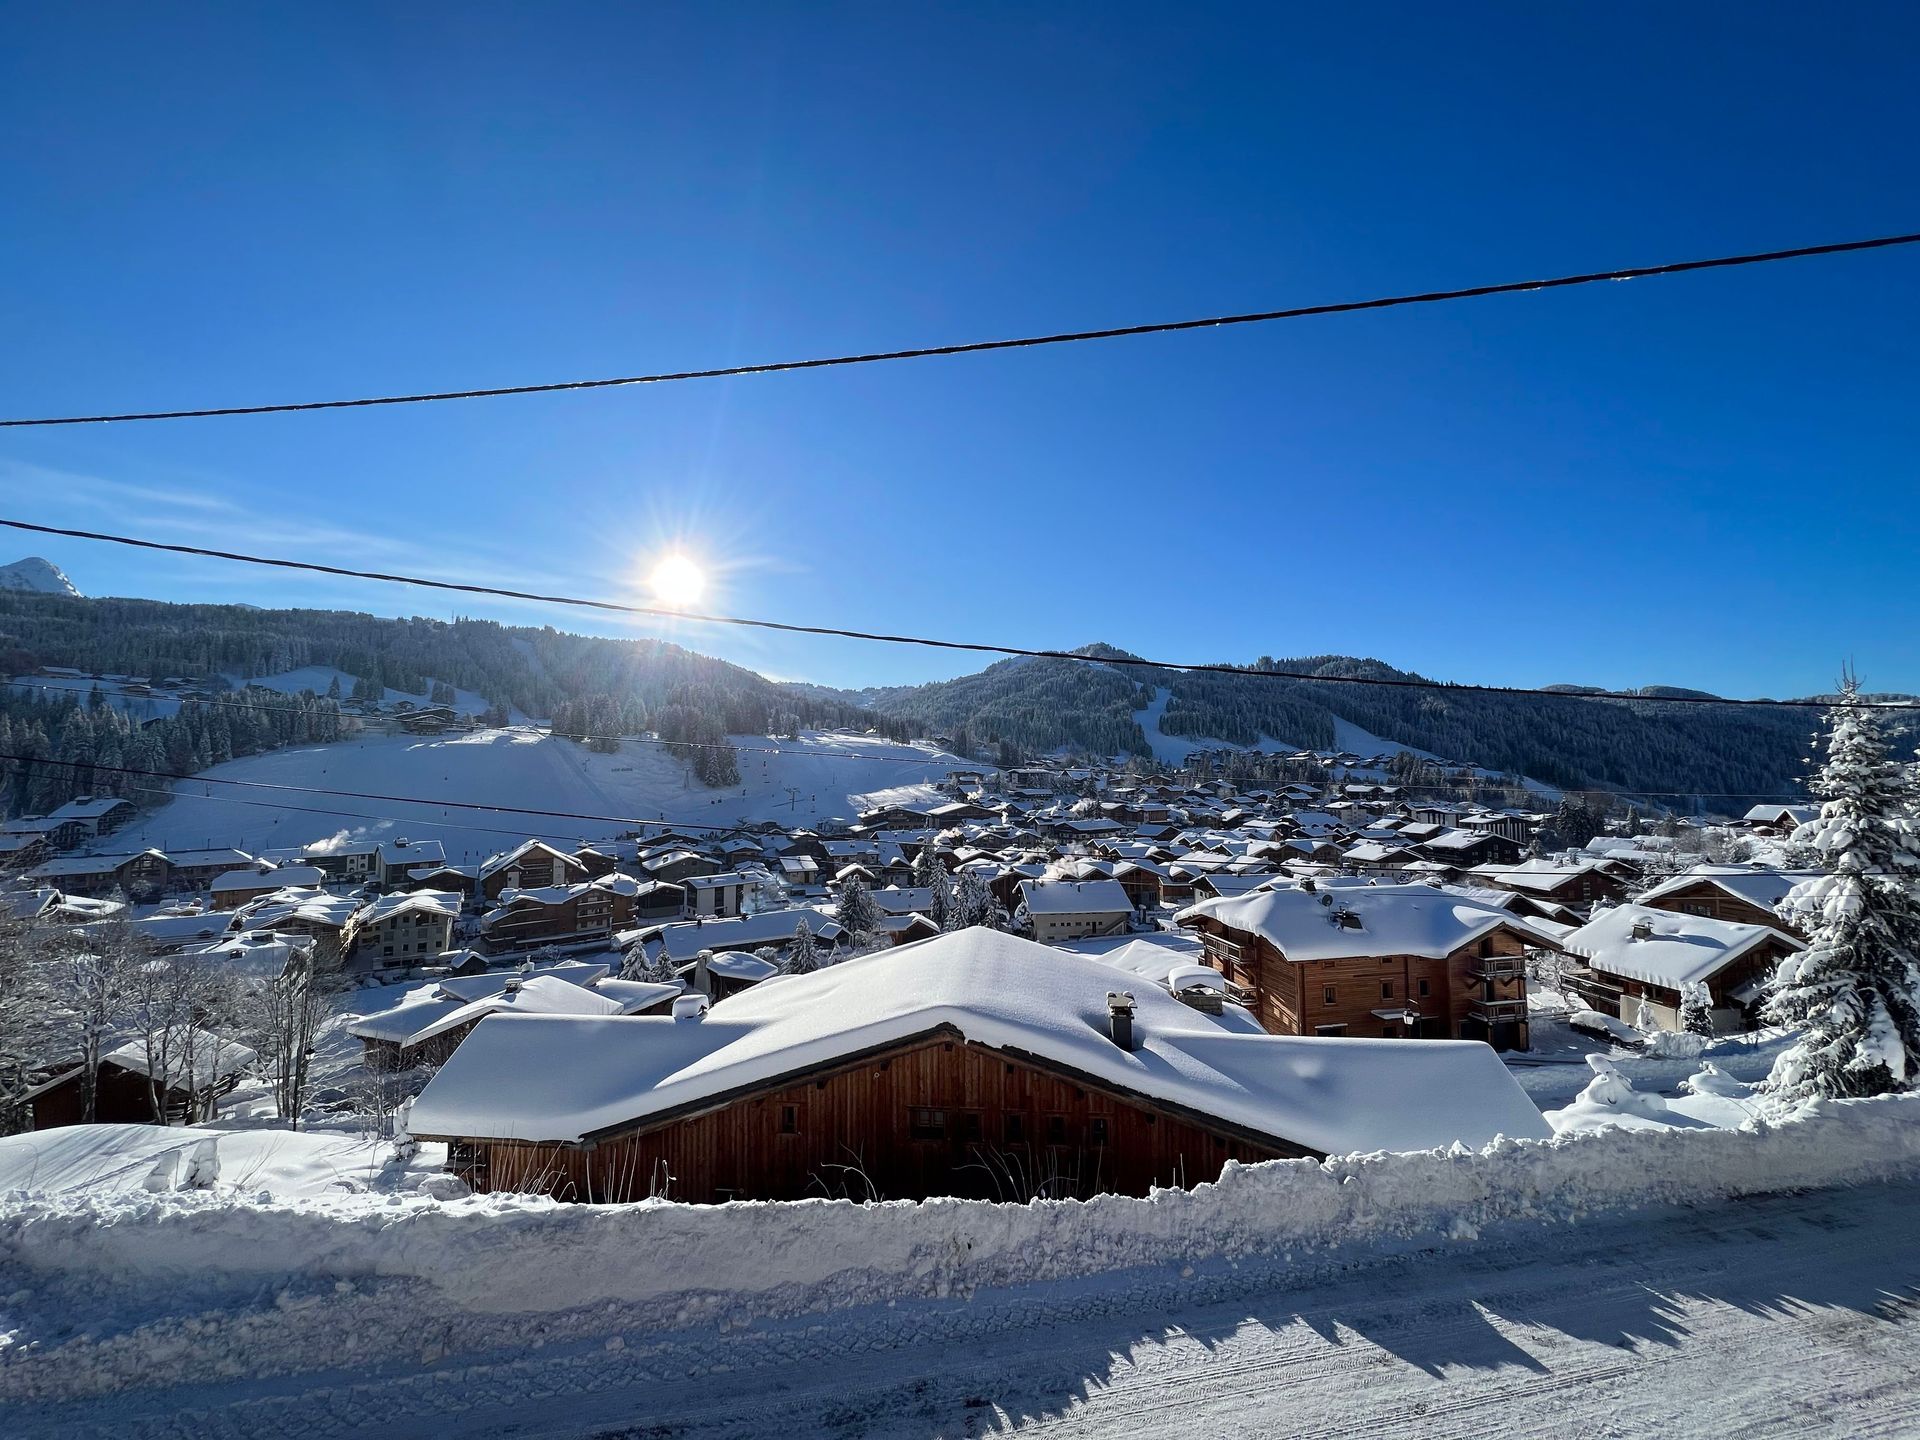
x=1769, y=1316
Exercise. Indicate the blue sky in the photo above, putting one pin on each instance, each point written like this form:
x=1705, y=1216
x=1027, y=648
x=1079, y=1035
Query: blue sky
x=1707, y=481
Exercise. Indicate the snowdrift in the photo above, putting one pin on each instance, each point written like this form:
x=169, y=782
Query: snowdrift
x=107, y=1288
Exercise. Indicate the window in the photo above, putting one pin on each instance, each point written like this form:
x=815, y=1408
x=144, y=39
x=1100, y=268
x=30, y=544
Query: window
x=1329, y=1029
x=1391, y=1032
x=925, y=1124
x=1056, y=1129
x=789, y=1119
x=1425, y=989
x=970, y=1126
x=1386, y=989
x=1016, y=1129
x=1097, y=1130
x=1326, y=995
x=1486, y=946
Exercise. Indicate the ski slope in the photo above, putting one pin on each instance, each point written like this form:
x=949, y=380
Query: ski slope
x=806, y=780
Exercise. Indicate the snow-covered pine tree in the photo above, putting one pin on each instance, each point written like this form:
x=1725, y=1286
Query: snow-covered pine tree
x=657, y=970
x=1854, y=992
x=856, y=912
x=973, y=903
x=1696, y=1008
x=804, y=958
x=940, y=906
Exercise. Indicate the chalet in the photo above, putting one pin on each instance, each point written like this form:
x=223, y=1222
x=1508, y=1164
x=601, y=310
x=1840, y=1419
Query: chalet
x=1466, y=849
x=680, y=943
x=715, y=897
x=1745, y=894
x=1073, y=910
x=1142, y=881
x=194, y=870
x=570, y=915
x=718, y=974
x=345, y=862
x=409, y=928
x=236, y=888
x=532, y=865
x=1577, y=882
x=659, y=900
x=676, y=866
x=1635, y=955
x=429, y=1029
x=191, y=1083
x=1509, y=826
x=800, y=871
x=303, y=912
x=20, y=849
x=397, y=859
x=1779, y=819
x=91, y=817
x=138, y=877
x=1371, y=857
x=975, y=1064
x=1379, y=960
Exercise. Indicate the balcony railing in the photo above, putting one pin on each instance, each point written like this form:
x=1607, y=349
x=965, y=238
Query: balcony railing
x=1498, y=1009
x=1498, y=967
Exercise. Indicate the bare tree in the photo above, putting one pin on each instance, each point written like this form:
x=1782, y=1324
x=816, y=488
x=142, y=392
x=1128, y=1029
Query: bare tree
x=94, y=975
x=283, y=1015
x=179, y=1000
x=32, y=1030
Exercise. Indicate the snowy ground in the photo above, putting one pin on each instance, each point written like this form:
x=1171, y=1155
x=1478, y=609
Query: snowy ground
x=833, y=775
x=1772, y=1314
x=318, y=677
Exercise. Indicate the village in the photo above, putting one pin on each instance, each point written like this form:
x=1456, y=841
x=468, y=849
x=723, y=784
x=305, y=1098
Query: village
x=1058, y=980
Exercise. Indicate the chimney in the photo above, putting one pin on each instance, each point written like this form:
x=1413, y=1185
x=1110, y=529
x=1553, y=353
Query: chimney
x=1643, y=928
x=703, y=972
x=691, y=1006
x=512, y=987
x=1120, y=1019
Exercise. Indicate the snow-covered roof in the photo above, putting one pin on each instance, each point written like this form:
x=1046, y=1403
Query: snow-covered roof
x=1752, y=883
x=1391, y=920
x=540, y=1078
x=1075, y=897
x=1536, y=872
x=1677, y=950
x=252, y=879
x=1778, y=814
x=535, y=995
x=431, y=902
x=202, y=1059
x=682, y=940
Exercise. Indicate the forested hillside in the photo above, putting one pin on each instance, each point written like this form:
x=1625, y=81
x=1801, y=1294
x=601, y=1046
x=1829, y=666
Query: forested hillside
x=541, y=671
x=1633, y=743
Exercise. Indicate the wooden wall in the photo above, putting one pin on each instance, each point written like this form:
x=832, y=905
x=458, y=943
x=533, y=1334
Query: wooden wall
x=1006, y=1129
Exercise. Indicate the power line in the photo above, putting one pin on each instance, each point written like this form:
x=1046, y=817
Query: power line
x=971, y=646
x=975, y=347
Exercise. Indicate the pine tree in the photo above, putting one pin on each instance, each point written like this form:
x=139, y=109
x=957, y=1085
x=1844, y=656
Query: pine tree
x=1696, y=1008
x=804, y=958
x=940, y=891
x=973, y=903
x=1854, y=992
x=856, y=912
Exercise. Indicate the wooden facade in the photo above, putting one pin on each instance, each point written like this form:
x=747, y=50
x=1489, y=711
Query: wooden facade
x=935, y=1115
x=1703, y=897
x=1479, y=992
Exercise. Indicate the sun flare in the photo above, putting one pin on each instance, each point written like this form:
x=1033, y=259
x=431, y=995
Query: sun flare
x=678, y=581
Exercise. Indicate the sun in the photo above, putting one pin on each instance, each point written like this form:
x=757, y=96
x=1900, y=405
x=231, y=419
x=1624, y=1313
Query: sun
x=678, y=581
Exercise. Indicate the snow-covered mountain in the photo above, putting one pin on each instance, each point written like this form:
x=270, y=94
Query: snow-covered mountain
x=37, y=576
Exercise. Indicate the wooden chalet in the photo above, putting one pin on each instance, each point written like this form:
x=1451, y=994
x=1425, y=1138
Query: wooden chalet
x=1394, y=961
x=974, y=1064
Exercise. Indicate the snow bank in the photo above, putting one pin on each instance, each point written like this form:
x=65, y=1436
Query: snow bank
x=203, y=1283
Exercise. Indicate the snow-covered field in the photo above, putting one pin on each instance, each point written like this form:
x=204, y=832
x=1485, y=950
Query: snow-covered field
x=1533, y=1287
x=803, y=781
